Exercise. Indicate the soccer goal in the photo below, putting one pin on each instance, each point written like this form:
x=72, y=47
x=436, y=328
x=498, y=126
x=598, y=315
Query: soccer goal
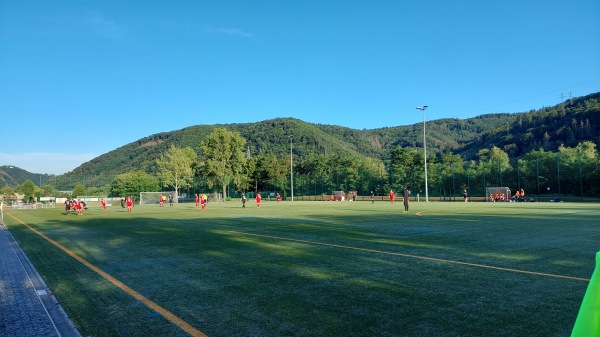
x=153, y=198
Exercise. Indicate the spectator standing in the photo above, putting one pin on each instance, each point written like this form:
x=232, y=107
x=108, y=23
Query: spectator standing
x=405, y=194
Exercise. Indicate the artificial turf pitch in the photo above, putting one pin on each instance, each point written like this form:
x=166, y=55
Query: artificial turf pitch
x=317, y=268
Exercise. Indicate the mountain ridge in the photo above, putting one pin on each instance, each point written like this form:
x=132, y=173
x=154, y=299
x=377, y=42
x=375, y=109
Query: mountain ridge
x=567, y=123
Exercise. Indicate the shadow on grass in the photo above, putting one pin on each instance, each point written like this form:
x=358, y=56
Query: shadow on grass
x=226, y=283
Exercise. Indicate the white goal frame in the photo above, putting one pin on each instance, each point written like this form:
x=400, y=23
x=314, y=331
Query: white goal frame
x=153, y=198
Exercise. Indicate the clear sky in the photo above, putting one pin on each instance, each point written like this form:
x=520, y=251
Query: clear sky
x=81, y=78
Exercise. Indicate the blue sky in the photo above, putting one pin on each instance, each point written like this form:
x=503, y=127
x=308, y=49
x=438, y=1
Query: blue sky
x=81, y=78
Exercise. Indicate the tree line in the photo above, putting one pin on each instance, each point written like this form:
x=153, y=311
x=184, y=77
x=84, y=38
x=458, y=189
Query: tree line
x=221, y=163
x=568, y=124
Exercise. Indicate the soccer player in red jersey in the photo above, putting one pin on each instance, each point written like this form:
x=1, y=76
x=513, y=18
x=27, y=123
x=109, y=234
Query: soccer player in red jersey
x=129, y=202
x=79, y=207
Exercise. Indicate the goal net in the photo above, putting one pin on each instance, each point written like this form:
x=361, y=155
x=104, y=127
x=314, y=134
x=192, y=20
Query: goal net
x=153, y=198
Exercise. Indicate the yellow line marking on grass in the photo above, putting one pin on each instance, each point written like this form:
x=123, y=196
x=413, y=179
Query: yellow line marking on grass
x=150, y=304
x=414, y=256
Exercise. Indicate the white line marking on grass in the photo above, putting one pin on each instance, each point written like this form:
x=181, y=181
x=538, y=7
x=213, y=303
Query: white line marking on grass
x=413, y=256
x=150, y=304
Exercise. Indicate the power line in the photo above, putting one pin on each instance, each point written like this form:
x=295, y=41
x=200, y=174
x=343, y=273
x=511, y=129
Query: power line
x=534, y=96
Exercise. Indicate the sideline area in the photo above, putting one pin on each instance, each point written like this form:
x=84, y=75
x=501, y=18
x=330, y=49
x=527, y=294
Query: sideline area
x=27, y=308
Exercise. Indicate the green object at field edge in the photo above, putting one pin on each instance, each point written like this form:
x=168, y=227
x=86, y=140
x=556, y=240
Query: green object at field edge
x=588, y=319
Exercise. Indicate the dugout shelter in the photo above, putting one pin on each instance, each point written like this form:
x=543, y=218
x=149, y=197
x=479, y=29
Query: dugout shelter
x=496, y=194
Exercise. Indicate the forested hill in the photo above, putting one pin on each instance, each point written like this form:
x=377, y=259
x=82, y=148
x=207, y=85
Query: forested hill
x=13, y=176
x=273, y=137
x=568, y=123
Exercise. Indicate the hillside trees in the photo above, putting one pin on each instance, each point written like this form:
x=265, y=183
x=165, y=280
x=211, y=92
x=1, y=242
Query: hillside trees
x=337, y=166
x=452, y=169
x=78, y=190
x=175, y=167
x=579, y=164
x=328, y=158
x=255, y=173
x=405, y=163
x=132, y=183
x=571, y=161
x=310, y=171
x=312, y=166
x=322, y=173
x=247, y=178
x=495, y=163
x=277, y=171
x=374, y=173
x=47, y=190
x=102, y=190
x=28, y=190
x=223, y=157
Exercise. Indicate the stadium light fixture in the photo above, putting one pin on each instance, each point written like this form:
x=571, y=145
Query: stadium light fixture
x=423, y=108
x=292, y=167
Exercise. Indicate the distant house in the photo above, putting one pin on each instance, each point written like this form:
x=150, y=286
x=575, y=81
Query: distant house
x=17, y=201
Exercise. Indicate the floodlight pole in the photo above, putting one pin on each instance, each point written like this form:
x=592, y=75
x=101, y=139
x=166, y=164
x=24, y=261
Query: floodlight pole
x=292, y=166
x=425, y=152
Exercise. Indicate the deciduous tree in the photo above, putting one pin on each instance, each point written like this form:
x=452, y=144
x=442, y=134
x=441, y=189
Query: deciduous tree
x=223, y=157
x=8, y=194
x=28, y=189
x=131, y=183
x=175, y=167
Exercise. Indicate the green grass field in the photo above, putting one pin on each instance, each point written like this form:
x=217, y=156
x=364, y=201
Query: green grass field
x=318, y=268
